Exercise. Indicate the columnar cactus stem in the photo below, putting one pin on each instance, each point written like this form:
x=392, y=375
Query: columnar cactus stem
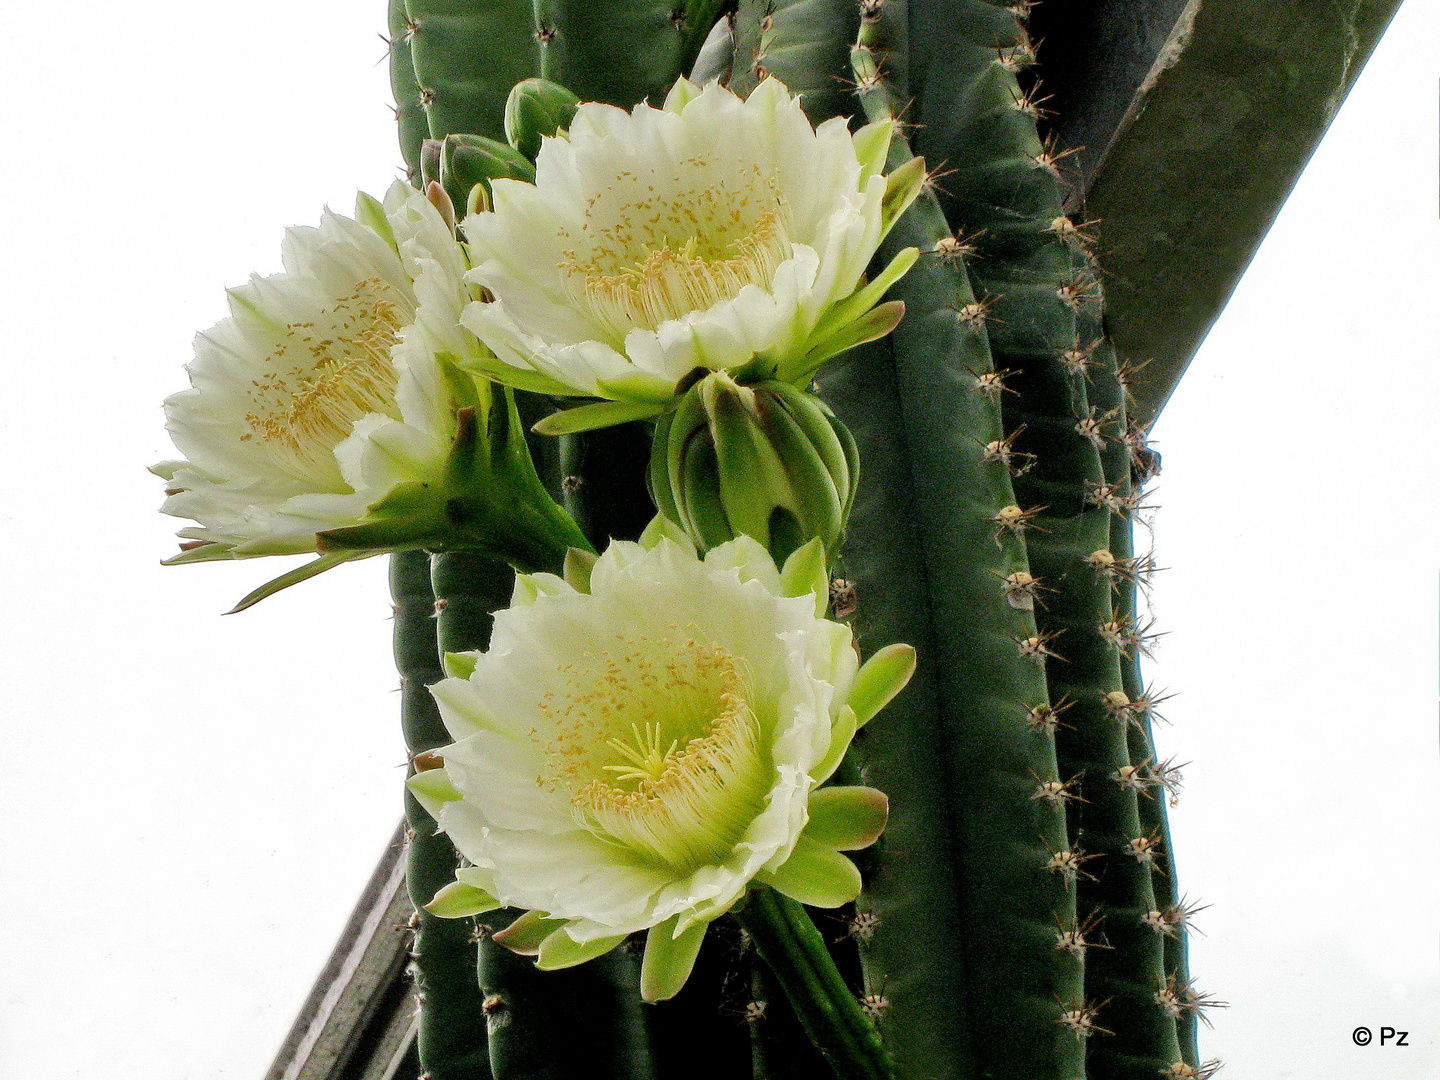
x=794, y=950
x=994, y=471
x=804, y=43
x=452, y=1041
x=1126, y=467
x=1005, y=187
x=409, y=112
x=619, y=52
x=1009, y=814
x=467, y=55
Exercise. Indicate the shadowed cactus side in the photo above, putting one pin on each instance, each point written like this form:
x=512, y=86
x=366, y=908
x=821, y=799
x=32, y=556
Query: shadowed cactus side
x=1022, y=899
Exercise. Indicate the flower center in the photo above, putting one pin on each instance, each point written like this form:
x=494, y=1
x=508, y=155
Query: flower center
x=325, y=374
x=654, y=247
x=659, y=750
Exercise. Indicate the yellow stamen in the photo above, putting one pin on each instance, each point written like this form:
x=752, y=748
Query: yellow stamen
x=646, y=255
x=325, y=374
x=659, y=750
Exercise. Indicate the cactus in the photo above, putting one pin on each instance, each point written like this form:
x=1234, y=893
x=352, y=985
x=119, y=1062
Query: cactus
x=1026, y=824
x=1005, y=191
x=451, y=1037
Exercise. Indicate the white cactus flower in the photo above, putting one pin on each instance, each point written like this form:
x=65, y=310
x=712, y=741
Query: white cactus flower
x=713, y=233
x=645, y=741
x=321, y=392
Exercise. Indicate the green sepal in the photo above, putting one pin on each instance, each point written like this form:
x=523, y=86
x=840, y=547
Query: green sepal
x=578, y=566
x=902, y=187
x=872, y=146
x=841, y=733
x=432, y=790
x=714, y=54
x=826, y=434
x=537, y=109
x=702, y=509
x=663, y=528
x=293, y=577
x=669, y=959
x=527, y=933
x=638, y=386
x=879, y=679
x=846, y=818
x=507, y=375
x=844, y=312
x=467, y=160
x=662, y=494
x=598, y=414
x=560, y=950
x=701, y=18
x=370, y=212
x=459, y=901
x=805, y=573
x=873, y=325
x=815, y=874
x=460, y=665
x=198, y=551
x=489, y=499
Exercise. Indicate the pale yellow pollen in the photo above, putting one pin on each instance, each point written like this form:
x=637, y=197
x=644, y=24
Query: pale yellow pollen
x=325, y=374
x=648, y=254
x=657, y=748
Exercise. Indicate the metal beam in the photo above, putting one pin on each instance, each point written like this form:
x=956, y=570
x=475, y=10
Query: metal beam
x=358, y=1022
x=1196, y=120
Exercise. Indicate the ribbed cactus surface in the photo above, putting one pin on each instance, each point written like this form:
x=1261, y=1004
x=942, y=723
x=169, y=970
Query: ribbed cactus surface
x=1019, y=919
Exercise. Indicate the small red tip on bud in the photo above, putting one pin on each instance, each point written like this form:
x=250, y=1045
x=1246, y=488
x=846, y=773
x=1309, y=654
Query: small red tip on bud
x=427, y=761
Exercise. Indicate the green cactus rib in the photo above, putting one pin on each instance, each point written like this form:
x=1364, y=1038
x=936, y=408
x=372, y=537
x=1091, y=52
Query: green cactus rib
x=1004, y=190
x=1009, y=817
x=597, y=1004
x=452, y=1043
x=409, y=112
x=780, y=1049
x=1122, y=980
x=804, y=43
x=786, y=939
x=908, y=924
x=1120, y=460
x=467, y=55
x=620, y=52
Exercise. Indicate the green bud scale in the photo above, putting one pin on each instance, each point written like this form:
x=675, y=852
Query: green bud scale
x=766, y=461
x=536, y=109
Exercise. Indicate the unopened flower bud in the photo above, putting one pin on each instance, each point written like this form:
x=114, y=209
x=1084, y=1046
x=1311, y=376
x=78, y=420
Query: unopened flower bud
x=535, y=109
x=766, y=461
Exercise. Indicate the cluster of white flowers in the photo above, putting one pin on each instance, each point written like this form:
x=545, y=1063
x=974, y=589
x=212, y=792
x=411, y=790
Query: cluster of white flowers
x=715, y=234
x=646, y=740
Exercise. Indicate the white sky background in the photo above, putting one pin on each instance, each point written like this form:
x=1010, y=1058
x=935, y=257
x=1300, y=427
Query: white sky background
x=192, y=803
